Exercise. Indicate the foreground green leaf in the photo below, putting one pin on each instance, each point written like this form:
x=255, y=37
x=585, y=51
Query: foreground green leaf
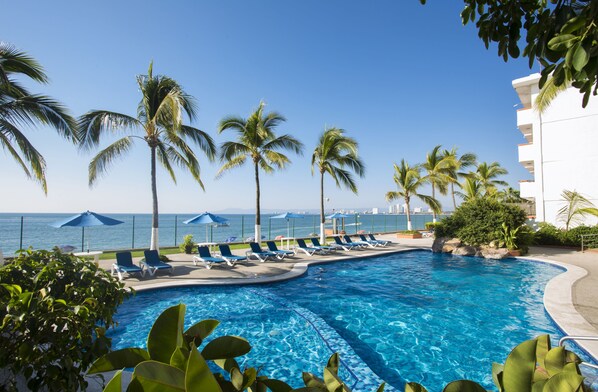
x=119, y=359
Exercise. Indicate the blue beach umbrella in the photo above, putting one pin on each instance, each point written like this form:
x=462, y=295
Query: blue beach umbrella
x=206, y=219
x=86, y=219
x=288, y=216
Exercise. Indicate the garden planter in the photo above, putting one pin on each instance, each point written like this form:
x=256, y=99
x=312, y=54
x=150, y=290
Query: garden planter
x=409, y=235
x=515, y=252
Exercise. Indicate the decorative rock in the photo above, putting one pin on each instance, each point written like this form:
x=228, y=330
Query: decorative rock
x=438, y=243
x=465, y=250
x=451, y=245
x=497, y=254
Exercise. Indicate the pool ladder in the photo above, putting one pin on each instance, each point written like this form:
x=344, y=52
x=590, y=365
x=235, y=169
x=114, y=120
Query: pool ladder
x=590, y=338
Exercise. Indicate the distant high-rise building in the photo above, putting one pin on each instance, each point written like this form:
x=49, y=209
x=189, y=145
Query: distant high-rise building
x=375, y=211
x=417, y=210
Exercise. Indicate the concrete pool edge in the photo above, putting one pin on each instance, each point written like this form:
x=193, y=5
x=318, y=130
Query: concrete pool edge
x=298, y=269
x=558, y=302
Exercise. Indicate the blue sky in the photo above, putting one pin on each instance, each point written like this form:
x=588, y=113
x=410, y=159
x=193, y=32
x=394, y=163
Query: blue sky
x=398, y=76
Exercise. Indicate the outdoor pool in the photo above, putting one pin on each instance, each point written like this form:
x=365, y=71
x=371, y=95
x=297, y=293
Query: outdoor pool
x=410, y=316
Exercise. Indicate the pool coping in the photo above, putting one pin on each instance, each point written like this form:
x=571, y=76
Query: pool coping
x=557, y=298
x=558, y=302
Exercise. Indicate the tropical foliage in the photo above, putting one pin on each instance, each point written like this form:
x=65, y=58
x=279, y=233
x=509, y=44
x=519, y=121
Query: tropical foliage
x=456, y=164
x=257, y=142
x=438, y=167
x=488, y=174
x=408, y=180
x=333, y=154
x=561, y=35
x=480, y=221
x=548, y=234
x=160, y=120
x=575, y=210
x=20, y=108
x=55, y=312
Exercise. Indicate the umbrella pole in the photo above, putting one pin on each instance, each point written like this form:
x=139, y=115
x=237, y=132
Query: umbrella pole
x=83, y=239
x=288, y=229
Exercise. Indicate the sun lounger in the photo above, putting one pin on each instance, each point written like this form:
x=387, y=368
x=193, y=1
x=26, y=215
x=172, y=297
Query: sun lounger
x=124, y=264
x=371, y=244
x=204, y=256
x=383, y=242
x=257, y=252
x=317, y=245
x=309, y=250
x=153, y=263
x=227, y=255
x=280, y=254
x=358, y=244
x=343, y=245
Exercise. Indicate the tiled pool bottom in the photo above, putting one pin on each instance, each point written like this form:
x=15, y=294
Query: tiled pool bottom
x=412, y=316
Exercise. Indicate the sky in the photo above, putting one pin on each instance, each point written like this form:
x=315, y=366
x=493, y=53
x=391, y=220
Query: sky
x=399, y=77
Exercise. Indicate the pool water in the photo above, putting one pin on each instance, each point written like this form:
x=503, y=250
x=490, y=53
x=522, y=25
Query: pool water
x=410, y=316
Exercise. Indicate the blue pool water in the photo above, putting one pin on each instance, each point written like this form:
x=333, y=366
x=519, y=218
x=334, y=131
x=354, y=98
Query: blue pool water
x=412, y=316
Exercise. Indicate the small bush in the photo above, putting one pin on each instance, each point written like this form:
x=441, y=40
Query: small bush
x=187, y=244
x=547, y=234
x=479, y=221
x=431, y=225
x=55, y=310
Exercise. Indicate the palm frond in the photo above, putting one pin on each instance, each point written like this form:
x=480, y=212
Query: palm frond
x=343, y=177
x=285, y=142
x=430, y=201
x=232, y=163
x=548, y=93
x=232, y=122
x=93, y=124
x=10, y=134
x=276, y=159
x=230, y=150
x=100, y=163
x=202, y=139
x=164, y=154
x=14, y=61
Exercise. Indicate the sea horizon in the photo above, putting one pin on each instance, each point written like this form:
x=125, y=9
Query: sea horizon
x=32, y=229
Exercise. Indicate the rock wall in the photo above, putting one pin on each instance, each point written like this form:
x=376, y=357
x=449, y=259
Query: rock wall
x=456, y=247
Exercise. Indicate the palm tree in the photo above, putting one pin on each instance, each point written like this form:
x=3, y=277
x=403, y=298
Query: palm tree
x=471, y=189
x=438, y=168
x=159, y=118
x=19, y=107
x=333, y=153
x=257, y=141
x=576, y=208
x=409, y=180
x=456, y=164
x=487, y=174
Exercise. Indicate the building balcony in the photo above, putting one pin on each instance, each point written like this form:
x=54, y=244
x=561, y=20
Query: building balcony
x=527, y=152
x=528, y=189
x=525, y=118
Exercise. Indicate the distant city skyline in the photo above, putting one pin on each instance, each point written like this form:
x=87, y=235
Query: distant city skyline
x=399, y=77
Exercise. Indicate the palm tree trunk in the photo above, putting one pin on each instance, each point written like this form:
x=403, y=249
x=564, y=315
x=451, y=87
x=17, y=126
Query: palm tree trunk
x=154, y=245
x=433, y=197
x=453, y=194
x=409, y=227
x=258, y=234
x=322, y=218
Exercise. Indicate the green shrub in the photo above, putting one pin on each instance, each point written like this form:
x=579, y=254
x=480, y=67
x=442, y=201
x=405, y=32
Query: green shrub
x=547, y=234
x=573, y=236
x=479, y=221
x=55, y=310
x=187, y=244
x=431, y=225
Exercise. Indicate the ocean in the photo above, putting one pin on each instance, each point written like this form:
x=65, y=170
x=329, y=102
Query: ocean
x=135, y=232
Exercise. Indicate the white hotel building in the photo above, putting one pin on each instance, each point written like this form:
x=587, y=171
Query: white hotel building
x=561, y=150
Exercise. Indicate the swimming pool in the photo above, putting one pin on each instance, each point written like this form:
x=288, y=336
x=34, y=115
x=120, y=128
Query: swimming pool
x=411, y=316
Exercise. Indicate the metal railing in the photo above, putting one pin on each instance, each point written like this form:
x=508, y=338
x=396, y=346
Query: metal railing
x=586, y=338
x=589, y=240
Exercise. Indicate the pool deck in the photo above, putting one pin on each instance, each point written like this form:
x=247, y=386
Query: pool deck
x=570, y=298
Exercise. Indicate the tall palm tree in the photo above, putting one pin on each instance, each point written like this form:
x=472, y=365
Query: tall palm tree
x=409, y=180
x=471, y=189
x=487, y=176
x=257, y=141
x=438, y=167
x=333, y=153
x=576, y=208
x=457, y=163
x=160, y=120
x=20, y=108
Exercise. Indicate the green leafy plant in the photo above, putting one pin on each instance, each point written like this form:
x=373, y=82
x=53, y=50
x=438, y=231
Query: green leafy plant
x=187, y=244
x=55, y=311
x=409, y=232
x=431, y=225
x=509, y=237
x=173, y=362
x=534, y=366
x=479, y=221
